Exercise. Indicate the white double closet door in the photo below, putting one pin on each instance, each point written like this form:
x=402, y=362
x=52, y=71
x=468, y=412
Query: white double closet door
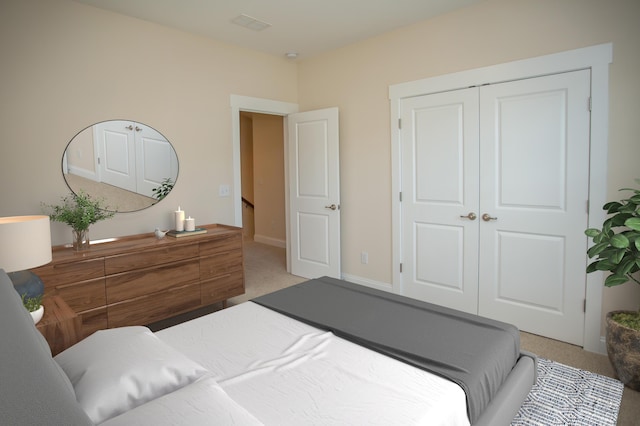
x=495, y=191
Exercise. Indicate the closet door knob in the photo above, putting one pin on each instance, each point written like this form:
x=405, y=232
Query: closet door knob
x=487, y=218
x=470, y=216
x=130, y=127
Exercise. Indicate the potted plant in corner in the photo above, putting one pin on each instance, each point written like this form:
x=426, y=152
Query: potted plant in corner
x=616, y=249
x=79, y=211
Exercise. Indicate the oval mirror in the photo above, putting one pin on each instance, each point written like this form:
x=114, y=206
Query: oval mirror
x=129, y=165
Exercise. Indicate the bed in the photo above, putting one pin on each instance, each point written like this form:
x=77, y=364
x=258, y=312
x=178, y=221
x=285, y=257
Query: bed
x=324, y=352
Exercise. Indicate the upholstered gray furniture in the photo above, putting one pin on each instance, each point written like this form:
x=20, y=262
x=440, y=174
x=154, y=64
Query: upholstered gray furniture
x=33, y=388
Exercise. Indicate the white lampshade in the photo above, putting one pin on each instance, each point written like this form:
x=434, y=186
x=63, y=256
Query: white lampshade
x=25, y=242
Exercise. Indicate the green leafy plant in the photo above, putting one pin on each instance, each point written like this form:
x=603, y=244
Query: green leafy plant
x=616, y=246
x=163, y=190
x=79, y=211
x=31, y=303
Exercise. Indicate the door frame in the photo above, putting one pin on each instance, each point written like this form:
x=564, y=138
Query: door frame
x=263, y=106
x=597, y=59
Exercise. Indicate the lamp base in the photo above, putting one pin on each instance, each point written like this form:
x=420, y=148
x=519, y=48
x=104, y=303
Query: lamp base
x=27, y=283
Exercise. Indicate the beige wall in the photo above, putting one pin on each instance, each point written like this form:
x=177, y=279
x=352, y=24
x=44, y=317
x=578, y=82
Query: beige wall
x=80, y=151
x=262, y=159
x=246, y=173
x=66, y=66
x=356, y=79
x=268, y=179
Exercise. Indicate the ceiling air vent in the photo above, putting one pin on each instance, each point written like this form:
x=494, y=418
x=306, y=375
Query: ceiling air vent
x=251, y=23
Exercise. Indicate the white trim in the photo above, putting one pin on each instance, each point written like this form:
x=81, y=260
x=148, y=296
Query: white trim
x=87, y=174
x=249, y=104
x=367, y=282
x=597, y=58
x=270, y=241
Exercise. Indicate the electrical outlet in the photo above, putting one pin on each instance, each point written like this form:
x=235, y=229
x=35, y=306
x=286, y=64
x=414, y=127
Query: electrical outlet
x=364, y=257
x=224, y=191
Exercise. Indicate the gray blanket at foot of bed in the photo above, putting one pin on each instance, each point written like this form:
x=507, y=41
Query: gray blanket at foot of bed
x=475, y=352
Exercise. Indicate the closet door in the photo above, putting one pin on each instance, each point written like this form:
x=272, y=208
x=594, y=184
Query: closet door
x=439, y=137
x=534, y=171
x=495, y=189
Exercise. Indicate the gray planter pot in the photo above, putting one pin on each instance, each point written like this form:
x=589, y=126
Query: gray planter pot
x=623, y=348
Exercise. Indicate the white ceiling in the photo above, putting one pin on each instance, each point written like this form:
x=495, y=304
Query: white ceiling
x=306, y=27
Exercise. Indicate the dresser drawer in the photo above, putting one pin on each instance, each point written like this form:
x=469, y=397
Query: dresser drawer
x=93, y=320
x=222, y=287
x=220, y=263
x=83, y=295
x=154, y=307
x=151, y=280
x=146, y=258
x=56, y=274
x=223, y=243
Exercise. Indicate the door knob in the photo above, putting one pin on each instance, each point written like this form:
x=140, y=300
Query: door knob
x=332, y=207
x=487, y=218
x=130, y=127
x=470, y=216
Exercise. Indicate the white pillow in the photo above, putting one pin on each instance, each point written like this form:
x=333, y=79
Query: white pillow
x=113, y=371
x=201, y=403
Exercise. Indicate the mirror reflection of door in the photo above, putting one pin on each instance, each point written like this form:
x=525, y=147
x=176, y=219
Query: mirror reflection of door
x=116, y=154
x=128, y=164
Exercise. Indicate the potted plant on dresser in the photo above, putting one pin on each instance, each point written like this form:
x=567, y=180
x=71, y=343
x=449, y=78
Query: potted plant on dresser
x=616, y=249
x=34, y=306
x=79, y=211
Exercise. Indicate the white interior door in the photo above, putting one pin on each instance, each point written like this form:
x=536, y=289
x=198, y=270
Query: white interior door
x=440, y=198
x=534, y=174
x=116, y=152
x=155, y=160
x=314, y=193
x=517, y=152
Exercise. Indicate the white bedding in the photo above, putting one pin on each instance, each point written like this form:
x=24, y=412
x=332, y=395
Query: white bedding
x=285, y=372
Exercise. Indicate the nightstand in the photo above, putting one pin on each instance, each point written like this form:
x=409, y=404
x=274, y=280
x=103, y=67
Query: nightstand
x=60, y=325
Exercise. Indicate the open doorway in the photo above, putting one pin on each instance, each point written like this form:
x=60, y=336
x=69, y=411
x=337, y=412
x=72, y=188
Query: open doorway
x=263, y=186
x=263, y=178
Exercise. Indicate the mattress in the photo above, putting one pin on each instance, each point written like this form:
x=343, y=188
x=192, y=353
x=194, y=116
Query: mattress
x=285, y=372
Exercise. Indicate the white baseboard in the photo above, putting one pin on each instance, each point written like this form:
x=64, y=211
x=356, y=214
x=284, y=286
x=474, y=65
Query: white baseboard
x=368, y=283
x=603, y=346
x=87, y=174
x=270, y=241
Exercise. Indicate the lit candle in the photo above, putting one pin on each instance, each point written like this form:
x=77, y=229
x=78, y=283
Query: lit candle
x=190, y=224
x=179, y=219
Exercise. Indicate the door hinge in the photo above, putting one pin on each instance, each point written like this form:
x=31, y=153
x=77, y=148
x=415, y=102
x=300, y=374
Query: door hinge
x=400, y=196
x=98, y=160
x=590, y=103
x=399, y=123
x=584, y=306
x=401, y=268
x=587, y=206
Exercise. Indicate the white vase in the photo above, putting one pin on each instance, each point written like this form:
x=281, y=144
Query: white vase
x=37, y=314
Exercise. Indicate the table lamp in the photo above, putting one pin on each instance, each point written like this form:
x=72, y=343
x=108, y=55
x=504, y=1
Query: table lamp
x=25, y=242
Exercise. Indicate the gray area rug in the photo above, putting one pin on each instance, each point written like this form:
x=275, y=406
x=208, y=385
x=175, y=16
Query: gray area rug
x=565, y=395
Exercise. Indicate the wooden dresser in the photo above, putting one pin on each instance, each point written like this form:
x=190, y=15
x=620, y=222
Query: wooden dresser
x=138, y=279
